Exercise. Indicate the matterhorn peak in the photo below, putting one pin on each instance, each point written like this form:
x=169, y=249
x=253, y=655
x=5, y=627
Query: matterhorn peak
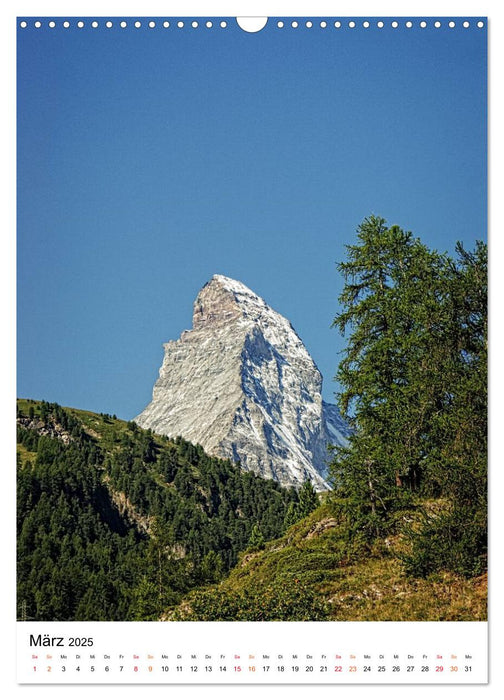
x=222, y=300
x=233, y=286
x=242, y=384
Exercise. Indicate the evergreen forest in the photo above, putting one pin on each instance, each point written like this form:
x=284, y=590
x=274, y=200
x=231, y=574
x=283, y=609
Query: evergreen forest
x=115, y=523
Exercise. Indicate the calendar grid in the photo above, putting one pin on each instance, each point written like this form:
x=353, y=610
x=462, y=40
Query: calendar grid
x=326, y=653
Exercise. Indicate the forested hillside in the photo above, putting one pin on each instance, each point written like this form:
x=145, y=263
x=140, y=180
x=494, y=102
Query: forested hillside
x=115, y=523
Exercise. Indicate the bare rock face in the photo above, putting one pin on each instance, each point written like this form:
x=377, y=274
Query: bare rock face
x=242, y=385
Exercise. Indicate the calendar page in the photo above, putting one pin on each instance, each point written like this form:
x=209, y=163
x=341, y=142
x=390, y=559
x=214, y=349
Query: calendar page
x=252, y=348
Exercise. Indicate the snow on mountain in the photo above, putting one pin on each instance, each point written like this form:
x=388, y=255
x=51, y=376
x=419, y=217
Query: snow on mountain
x=242, y=384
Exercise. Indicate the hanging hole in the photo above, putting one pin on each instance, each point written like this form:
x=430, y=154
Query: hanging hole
x=252, y=24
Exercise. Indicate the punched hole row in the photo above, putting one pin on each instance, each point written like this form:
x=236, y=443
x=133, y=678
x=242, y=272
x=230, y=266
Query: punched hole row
x=295, y=24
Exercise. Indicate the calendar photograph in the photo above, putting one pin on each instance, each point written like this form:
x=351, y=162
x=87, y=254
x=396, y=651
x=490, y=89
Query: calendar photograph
x=251, y=323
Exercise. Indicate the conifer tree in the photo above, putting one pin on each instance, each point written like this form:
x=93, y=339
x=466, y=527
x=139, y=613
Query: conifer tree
x=413, y=382
x=308, y=499
x=256, y=540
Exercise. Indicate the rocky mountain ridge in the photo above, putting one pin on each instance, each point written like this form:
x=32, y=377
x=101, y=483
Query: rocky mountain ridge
x=242, y=384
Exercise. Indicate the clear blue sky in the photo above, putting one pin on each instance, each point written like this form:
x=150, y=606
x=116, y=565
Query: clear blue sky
x=150, y=159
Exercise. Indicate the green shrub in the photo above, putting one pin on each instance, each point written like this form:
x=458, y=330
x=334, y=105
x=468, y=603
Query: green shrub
x=453, y=541
x=285, y=600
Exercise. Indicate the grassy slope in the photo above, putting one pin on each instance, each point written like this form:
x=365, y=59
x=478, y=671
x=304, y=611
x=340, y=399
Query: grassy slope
x=354, y=581
x=103, y=428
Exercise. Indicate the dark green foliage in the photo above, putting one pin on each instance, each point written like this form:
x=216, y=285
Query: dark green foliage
x=414, y=382
x=455, y=541
x=117, y=523
x=75, y=552
x=291, y=516
x=308, y=501
x=286, y=600
x=256, y=540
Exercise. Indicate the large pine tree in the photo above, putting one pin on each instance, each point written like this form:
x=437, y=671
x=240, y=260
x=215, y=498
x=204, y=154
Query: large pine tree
x=413, y=377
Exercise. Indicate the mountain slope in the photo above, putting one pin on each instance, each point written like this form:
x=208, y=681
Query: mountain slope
x=242, y=384
x=316, y=572
x=117, y=523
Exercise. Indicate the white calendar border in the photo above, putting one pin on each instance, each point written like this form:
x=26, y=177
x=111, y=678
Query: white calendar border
x=156, y=8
